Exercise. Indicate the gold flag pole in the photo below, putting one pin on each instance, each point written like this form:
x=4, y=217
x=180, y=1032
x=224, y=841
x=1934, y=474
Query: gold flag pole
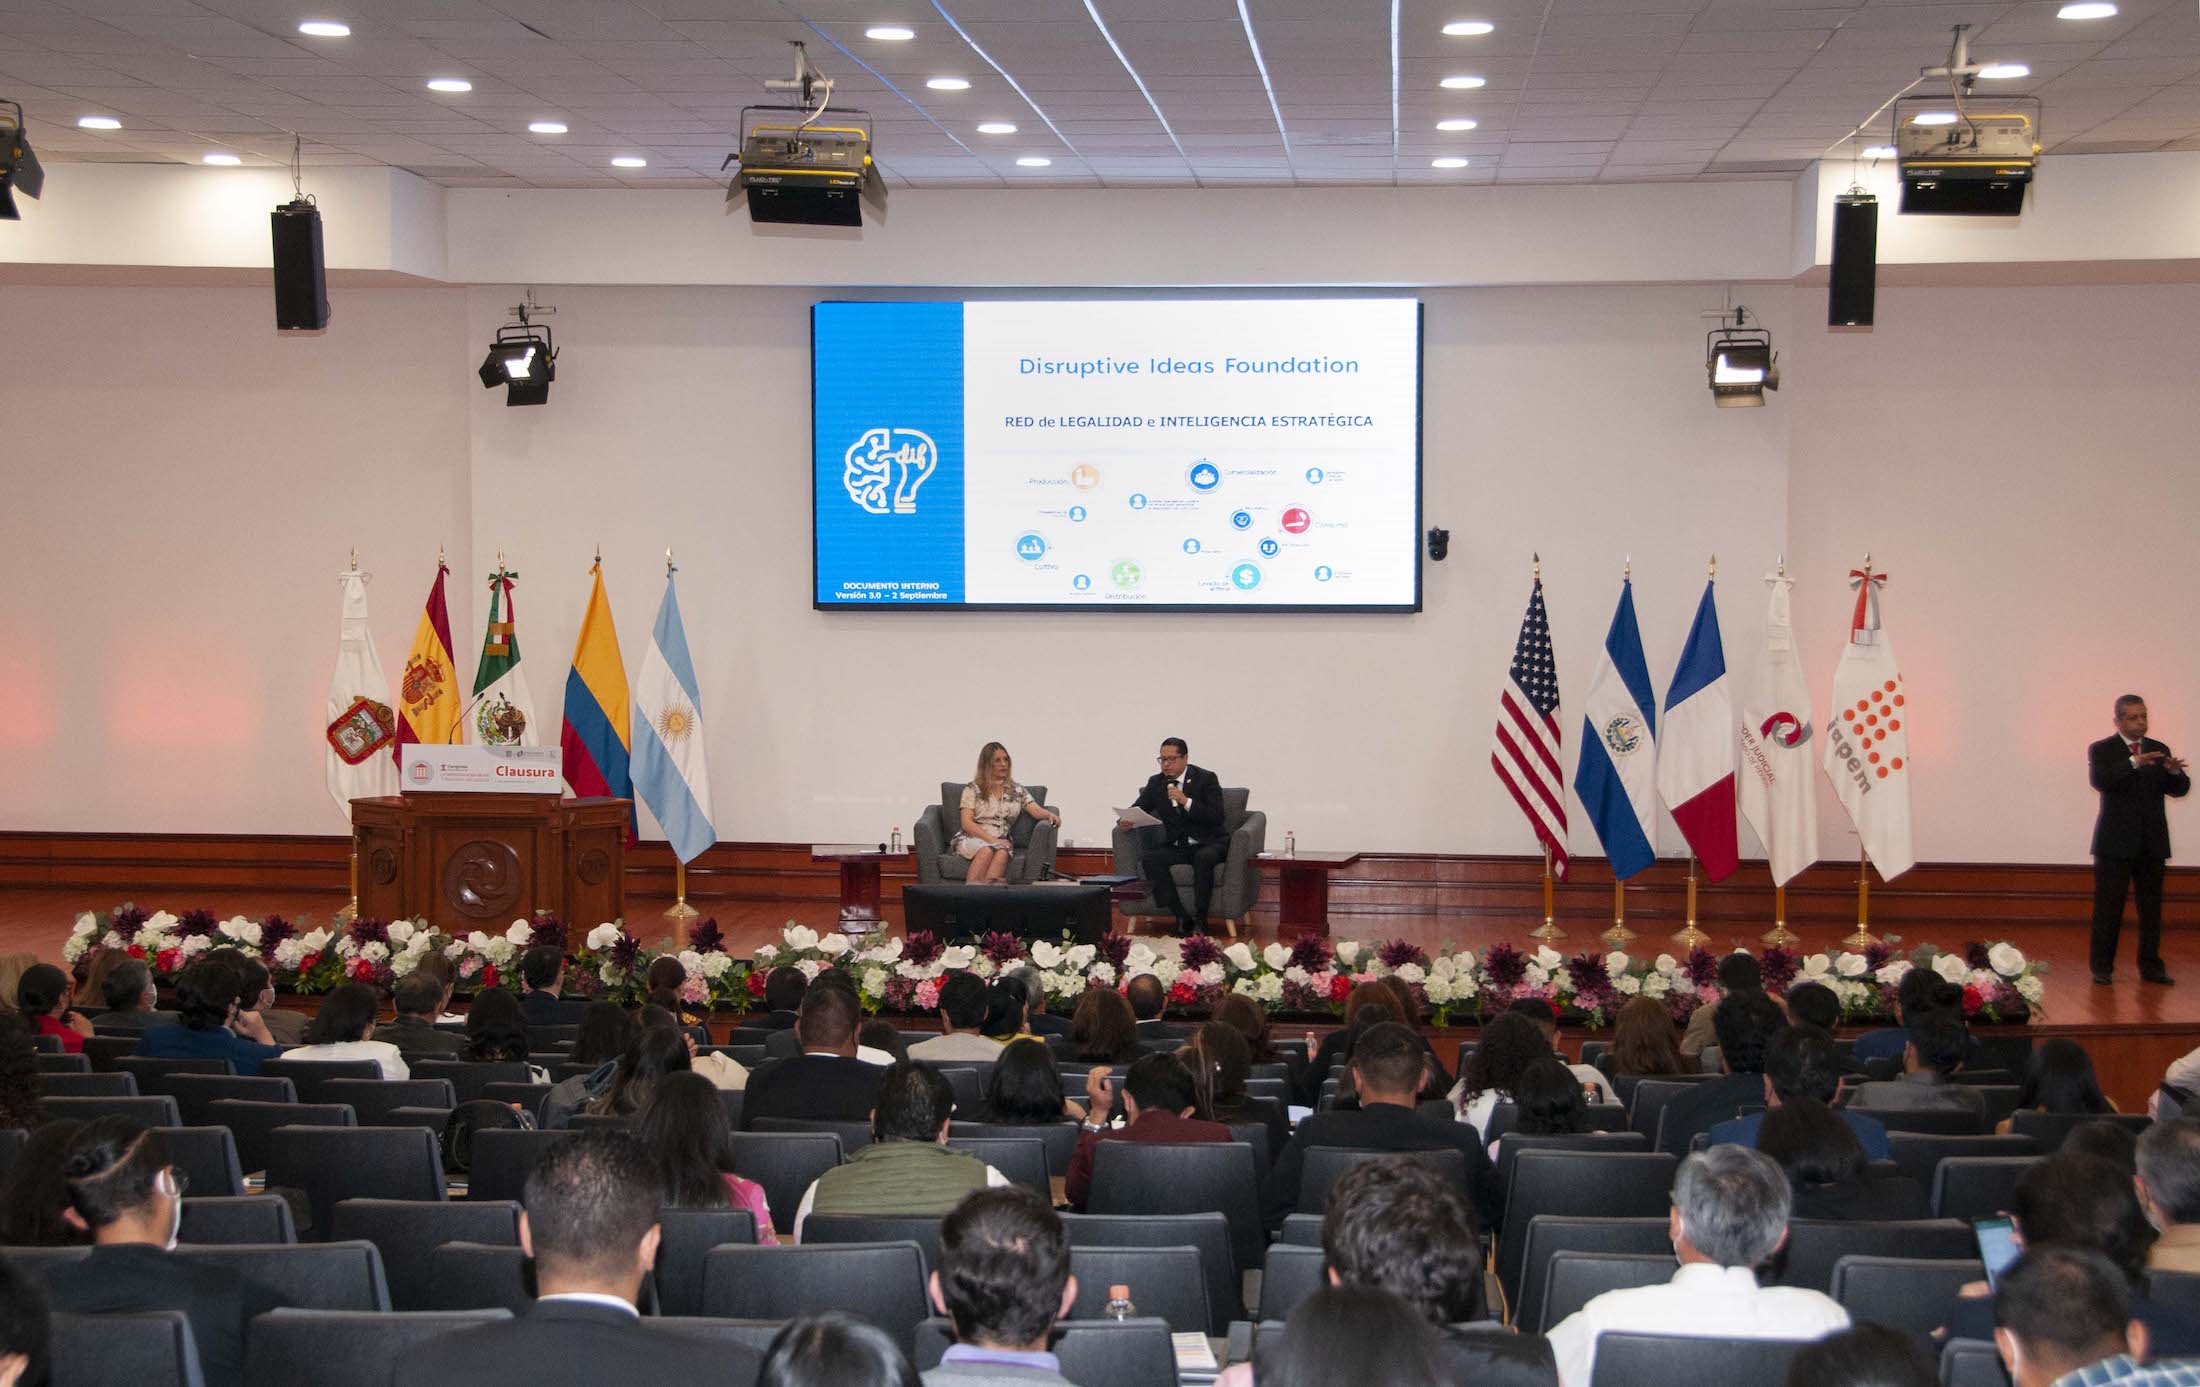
x=1862, y=939
x=1618, y=934
x=1780, y=936
x=681, y=914
x=350, y=910
x=1689, y=937
x=1550, y=932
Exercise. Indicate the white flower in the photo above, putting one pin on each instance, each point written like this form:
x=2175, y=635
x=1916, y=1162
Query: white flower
x=2006, y=959
x=1850, y=965
x=1412, y=972
x=1348, y=951
x=197, y=944
x=113, y=939
x=887, y=952
x=766, y=952
x=1627, y=984
x=834, y=945
x=455, y=950
x=1616, y=963
x=717, y=965
x=1537, y=975
x=1103, y=973
x=421, y=943
x=1657, y=985
x=958, y=958
x=2031, y=988
x=1296, y=974
x=159, y=922
x=519, y=934
x=1168, y=970
x=603, y=936
x=1067, y=983
x=1464, y=985
x=983, y=966
x=1439, y=991
x=691, y=962
x=1984, y=979
x=1212, y=974
x=374, y=951
x=799, y=937
x=1080, y=956
x=1271, y=988
x=403, y=965
x=243, y=931
x=402, y=931
x=290, y=953
x=874, y=980
x=1893, y=972
x=1666, y=963
x=1952, y=967
x=1548, y=958
x=1047, y=956
x=1817, y=967
x=501, y=952
x=1275, y=956
x=478, y=942
x=1240, y=956
x=76, y=948
x=810, y=968
x=1140, y=959
x=87, y=924
x=1246, y=987
x=316, y=940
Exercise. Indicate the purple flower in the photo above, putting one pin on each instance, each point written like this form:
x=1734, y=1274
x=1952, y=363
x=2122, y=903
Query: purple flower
x=901, y=993
x=1702, y=966
x=626, y=950
x=1588, y=973
x=1779, y=967
x=366, y=930
x=1974, y=955
x=707, y=938
x=920, y=947
x=1299, y=996
x=1310, y=953
x=1115, y=948
x=1199, y=951
x=1398, y=953
x=193, y=923
x=126, y=917
x=274, y=930
x=1877, y=956
x=549, y=932
x=1505, y=966
x=1002, y=947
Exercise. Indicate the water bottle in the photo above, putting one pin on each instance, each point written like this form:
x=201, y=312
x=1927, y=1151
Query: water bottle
x=1290, y=844
x=1119, y=1303
x=894, y=843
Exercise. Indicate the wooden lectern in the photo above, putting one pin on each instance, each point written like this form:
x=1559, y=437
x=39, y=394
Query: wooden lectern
x=468, y=862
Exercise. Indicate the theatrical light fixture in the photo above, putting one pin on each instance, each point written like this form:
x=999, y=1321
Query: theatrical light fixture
x=325, y=29
x=1033, y=161
x=889, y=33
x=2087, y=11
x=1964, y=154
x=808, y=164
x=1740, y=362
x=948, y=84
x=1463, y=84
x=98, y=123
x=546, y=127
x=522, y=357
x=449, y=84
x=20, y=171
x=1447, y=163
x=1459, y=123
x=225, y=161
x=1468, y=28
x=997, y=127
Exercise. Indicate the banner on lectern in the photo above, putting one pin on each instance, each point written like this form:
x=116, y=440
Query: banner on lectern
x=496, y=770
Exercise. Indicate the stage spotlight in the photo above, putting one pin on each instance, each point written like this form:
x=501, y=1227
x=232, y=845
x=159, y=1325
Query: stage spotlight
x=522, y=357
x=1740, y=363
x=20, y=171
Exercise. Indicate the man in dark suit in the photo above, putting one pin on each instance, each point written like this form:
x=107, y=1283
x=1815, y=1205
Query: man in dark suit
x=590, y=1223
x=1188, y=802
x=122, y=1190
x=2134, y=773
x=131, y=999
x=542, y=971
x=783, y=989
x=1148, y=999
x=826, y=1082
x=1386, y=1071
x=1935, y=1051
x=420, y=998
x=1743, y=1025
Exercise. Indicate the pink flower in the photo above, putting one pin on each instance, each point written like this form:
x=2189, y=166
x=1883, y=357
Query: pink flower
x=694, y=991
x=927, y=996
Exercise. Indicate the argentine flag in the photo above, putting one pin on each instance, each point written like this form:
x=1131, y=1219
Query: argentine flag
x=1696, y=764
x=1616, y=776
x=670, y=772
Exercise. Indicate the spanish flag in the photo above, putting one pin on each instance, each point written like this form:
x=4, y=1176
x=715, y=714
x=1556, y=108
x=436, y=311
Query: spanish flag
x=427, y=691
x=594, y=737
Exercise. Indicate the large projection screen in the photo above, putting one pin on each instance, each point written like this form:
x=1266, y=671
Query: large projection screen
x=1162, y=454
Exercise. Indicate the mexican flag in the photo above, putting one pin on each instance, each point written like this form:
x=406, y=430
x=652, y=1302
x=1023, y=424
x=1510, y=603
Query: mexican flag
x=502, y=712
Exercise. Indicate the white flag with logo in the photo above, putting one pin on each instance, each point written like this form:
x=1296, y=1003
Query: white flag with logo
x=1867, y=735
x=361, y=727
x=1777, y=796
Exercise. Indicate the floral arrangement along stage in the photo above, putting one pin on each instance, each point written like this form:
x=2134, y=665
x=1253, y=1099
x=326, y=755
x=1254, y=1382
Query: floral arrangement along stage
x=1310, y=978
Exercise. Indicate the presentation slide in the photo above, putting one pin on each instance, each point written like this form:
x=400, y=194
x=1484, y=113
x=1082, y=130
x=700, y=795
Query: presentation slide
x=1171, y=454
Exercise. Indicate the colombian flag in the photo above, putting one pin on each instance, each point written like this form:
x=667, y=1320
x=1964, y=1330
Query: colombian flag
x=594, y=737
x=427, y=691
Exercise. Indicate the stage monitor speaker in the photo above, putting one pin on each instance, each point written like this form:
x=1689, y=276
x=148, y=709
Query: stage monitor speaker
x=1855, y=279
x=301, y=281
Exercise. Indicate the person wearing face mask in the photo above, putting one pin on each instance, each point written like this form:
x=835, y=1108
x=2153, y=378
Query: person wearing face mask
x=123, y=1191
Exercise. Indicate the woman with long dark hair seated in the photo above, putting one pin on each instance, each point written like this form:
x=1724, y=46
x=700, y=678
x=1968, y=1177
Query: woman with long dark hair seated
x=1547, y=1102
x=1644, y=1042
x=605, y=1031
x=683, y=1127
x=1103, y=1029
x=496, y=1030
x=343, y=1029
x=655, y=1053
x=2060, y=1079
x=20, y=1088
x=1221, y=1064
x=1025, y=1088
x=1826, y=1168
x=1510, y=1043
x=1249, y=1019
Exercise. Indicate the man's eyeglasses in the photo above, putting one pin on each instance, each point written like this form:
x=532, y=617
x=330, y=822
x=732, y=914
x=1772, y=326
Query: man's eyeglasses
x=1165, y=760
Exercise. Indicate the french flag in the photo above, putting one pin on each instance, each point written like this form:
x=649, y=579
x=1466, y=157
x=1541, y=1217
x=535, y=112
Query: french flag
x=1696, y=754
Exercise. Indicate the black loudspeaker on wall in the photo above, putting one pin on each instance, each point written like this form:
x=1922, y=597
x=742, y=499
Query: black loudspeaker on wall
x=301, y=283
x=1855, y=278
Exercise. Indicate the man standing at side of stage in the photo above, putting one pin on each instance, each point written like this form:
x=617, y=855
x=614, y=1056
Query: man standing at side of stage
x=2134, y=773
x=1188, y=801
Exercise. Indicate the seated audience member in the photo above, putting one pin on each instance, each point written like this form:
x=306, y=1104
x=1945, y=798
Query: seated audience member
x=477, y=1115
x=1338, y=1043
x=1868, y=1355
x=420, y=998
x=1510, y=1043
x=1003, y=1280
x=1935, y=1050
x=655, y=1053
x=1004, y=1011
x=1221, y=1065
x=12, y=968
x=1036, y=1020
x=436, y=966
x=2063, y=1315
x=43, y=994
x=1548, y=1102
x=23, y=1330
x=20, y=1088
x=124, y=1193
x=1344, y=1336
x=1802, y=1062
x=962, y=1009
x=833, y=1350
x=826, y=1082
x=590, y=1223
x=877, y=1033
x=1643, y=1042
x=1149, y=999
x=256, y=994
x=907, y=1168
x=1103, y=1029
x=684, y=1130
x=1739, y=976
x=662, y=985
x=1913, y=996
x=1158, y=1100
x=1730, y=1213
x=1744, y=1023
x=34, y=1196
x=2083, y=1202
x=542, y=977
x=1249, y=1019
x=605, y=1032
x=207, y=996
x=496, y=1031
x=723, y=1070
x=2110, y=1141
x=2169, y=1193
x=343, y=1029
x=784, y=987
x=787, y=1044
x=1386, y=1065
x=132, y=999
x=2059, y=1079
x=1828, y=1174
x=1545, y=1017
x=1814, y=1004
x=1025, y=1088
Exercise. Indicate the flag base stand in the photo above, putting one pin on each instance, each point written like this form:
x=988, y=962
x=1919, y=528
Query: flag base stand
x=1688, y=936
x=681, y=914
x=1862, y=939
x=350, y=910
x=1618, y=934
x=1780, y=936
x=1550, y=933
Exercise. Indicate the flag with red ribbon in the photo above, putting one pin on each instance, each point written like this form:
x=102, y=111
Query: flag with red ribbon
x=1867, y=735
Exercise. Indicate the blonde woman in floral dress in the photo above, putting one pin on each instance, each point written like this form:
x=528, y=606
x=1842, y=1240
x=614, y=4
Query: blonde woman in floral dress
x=990, y=804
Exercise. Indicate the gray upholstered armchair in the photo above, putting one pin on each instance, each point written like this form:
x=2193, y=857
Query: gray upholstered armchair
x=1237, y=879
x=1033, y=841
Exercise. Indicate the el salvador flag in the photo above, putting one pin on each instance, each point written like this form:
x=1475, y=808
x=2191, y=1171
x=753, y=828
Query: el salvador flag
x=1616, y=777
x=670, y=771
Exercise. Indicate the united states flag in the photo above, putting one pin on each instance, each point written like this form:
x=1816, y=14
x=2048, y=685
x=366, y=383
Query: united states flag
x=1524, y=752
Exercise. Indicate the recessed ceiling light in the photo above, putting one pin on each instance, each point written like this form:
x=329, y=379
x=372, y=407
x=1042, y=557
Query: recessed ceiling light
x=98, y=123
x=1880, y=151
x=891, y=33
x=1461, y=84
x=325, y=29
x=997, y=127
x=1468, y=28
x=948, y=84
x=2093, y=9
x=227, y=161
x=1933, y=118
x=546, y=127
x=1447, y=163
x=629, y=161
x=1460, y=123
x=1033, y=161
x=1996, y=72
x=450, y=84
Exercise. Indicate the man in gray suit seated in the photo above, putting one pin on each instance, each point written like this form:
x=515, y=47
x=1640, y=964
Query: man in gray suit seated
x=1004, y=1280
x=1935, y=1050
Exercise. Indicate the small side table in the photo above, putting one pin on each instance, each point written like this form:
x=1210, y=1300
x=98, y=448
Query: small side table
x=859, y=865
x=1303, y=882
